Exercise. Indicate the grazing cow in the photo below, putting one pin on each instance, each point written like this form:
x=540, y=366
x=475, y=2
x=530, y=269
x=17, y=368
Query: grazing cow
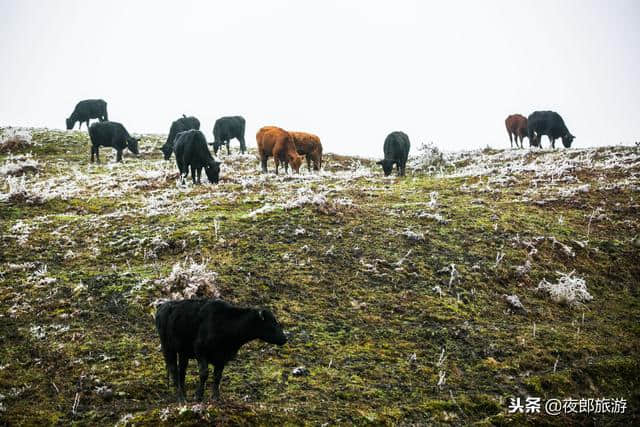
x=88, y=109
x=310, y=146
x=548, y=123
x=111, y=134
x=396, y=151
x=192, y=151
x=180, y=125
x=516, y=128
x=277, y=142
x=210, y=331
x=227, y=128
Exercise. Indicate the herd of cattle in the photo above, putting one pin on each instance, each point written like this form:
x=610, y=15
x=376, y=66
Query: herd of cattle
x=212, y=331
x=286, y=147
x=539, y=123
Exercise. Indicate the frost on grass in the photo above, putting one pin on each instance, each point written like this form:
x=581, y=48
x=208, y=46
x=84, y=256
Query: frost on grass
x=429, y=159
x=18, y=166
x=412, y=235
x=514, y=303
x=189, y=279
x=18, y=192
x=570, y=290
x=15, y=139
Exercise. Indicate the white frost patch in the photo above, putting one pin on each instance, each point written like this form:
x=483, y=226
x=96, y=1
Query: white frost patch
x=262, y=210
x=15, y=138
x=17, y=166
x=38, y=332
x=514, y=302
x=436, y=216
x=569, y=289
x=412, y=235
x=190, y=279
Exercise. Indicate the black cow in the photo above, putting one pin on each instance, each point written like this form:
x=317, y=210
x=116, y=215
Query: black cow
x=548, y=123
x=192, y=151
x=210, y=331
x=396, y=151
x=88, y=109
x=180, y=125
x=111, y=134
x=227, y=128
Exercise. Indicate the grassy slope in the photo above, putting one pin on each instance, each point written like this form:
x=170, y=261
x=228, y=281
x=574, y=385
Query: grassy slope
x=370, y=333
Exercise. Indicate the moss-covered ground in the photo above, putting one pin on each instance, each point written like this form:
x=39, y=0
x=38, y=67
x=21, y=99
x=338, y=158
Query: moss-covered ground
x=357, y=268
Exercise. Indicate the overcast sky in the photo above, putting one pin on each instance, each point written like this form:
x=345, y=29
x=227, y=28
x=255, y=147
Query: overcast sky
x=350, y=71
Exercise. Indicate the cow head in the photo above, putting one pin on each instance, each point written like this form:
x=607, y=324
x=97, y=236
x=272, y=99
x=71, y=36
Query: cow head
x=132, y=145
x=212, y=169
x=534, y=141
x=567, y=140
x=269, y=329
x=167, y=149
x=70, y=123
x=387, y=166
x=295, y=162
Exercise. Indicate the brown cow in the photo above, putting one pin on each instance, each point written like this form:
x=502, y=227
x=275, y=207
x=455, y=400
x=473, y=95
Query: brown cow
x=277, y=142
x=309, y=145
x=516, y=128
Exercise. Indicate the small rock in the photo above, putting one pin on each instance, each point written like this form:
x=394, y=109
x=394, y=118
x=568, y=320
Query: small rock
x=300, y=371
x=104, y=391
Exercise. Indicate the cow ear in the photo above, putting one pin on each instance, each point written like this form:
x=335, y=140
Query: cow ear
x=379, y=162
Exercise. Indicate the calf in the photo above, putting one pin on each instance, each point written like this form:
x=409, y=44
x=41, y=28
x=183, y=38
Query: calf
x=548, y=123
x=277, y=142
x=180, y=125
x=396, y=151
x=192, y=151
x=516, y=128
x=227, y=128
x=310, y=146
x=210, y=331
x=111, y=134
x=88, y=109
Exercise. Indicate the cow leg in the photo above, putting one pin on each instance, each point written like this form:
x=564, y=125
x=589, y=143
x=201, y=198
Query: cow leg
x=199, y=169
x=87, y=124
x=553, y=142
x=204, y=373
x=119, y=155
x=171, y=360
x=511, y=139
x=308, y=156
x=243, y=145
x=228, y=147
x=263, y=161
x=183, y=362
x=275, y=160
x=93, y=149
x=217, y=377
x=97, y=154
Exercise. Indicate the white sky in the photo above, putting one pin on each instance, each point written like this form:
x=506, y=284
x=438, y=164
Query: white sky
x=349, y=71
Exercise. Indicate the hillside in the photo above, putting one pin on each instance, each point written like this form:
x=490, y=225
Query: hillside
x=394, y=291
